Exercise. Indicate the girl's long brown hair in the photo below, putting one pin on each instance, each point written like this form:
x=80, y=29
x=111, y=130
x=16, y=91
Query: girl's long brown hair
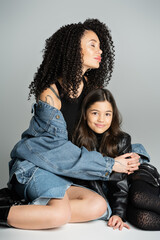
x=84, y=136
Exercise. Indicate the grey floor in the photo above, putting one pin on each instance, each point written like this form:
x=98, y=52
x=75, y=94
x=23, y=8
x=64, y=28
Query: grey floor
x=91, y=230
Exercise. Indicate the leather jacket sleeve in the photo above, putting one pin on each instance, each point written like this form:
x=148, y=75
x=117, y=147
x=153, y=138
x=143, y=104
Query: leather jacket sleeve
x=147, y=173
x=117, y=185
x=116, y=188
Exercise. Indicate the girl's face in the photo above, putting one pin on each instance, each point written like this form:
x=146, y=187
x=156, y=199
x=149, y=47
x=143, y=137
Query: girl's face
x=91, y=52
x=99, y=116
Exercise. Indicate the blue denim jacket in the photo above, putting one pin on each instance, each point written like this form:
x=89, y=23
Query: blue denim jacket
x=45, y=144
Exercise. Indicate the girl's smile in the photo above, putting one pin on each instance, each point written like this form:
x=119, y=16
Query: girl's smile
x=99, y=116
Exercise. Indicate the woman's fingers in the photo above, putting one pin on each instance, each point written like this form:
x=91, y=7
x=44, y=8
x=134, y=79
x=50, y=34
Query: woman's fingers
x=133, y=164
x=126, y=163
x=133, y=160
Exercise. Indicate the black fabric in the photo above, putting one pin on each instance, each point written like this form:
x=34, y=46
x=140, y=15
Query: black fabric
x=71, y=112
x=117, y=194
x=147, y=173
x=143, y=209
x=99, y=139
x=143, y=219
x=9, y=197
x=3, y=215
x=116, y=188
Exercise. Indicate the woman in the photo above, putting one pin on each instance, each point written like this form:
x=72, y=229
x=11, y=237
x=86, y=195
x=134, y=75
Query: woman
x=77, y=58
x=99, y=128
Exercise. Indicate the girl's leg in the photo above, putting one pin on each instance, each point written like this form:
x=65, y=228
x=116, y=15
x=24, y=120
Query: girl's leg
x=144, y=196
x=85, y=204
x=143, y=219
x=143, y=209
x=55, y=214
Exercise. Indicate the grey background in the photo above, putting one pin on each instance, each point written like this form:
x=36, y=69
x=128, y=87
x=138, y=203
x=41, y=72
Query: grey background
x=135, y=27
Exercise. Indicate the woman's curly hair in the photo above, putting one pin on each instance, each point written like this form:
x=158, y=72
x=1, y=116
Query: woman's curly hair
x=62, y=58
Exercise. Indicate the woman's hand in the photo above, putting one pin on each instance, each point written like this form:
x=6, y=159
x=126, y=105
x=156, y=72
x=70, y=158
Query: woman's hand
x=126, y=163
x=116, y=222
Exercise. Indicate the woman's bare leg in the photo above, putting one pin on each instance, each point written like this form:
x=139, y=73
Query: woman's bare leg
x=78, y=205
x=85, y=204
x=55, y=214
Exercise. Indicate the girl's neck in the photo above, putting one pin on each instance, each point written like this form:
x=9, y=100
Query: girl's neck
x=99, y=137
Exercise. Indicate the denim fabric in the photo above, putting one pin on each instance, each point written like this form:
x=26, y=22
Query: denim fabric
x=42, y=186
x=45, y=144
x=44, y=149
x=140, y=150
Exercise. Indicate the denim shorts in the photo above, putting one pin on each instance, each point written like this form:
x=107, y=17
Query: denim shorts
x=43, y=186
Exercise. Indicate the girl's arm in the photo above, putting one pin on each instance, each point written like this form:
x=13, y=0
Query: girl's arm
x=116, y=188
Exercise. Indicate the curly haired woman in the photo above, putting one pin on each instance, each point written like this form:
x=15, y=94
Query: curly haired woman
x=77, y=58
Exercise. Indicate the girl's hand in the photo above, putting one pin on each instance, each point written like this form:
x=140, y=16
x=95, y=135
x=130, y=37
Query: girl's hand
x=116, y=222
x=126, y=163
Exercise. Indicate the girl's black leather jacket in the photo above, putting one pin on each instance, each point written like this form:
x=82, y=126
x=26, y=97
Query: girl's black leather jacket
x=115, y=190
x=117, y=187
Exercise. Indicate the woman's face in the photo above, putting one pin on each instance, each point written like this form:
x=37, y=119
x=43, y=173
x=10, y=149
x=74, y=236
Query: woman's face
x=91, y=52
x=99, y=116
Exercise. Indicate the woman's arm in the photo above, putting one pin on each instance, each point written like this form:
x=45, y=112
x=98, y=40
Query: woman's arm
x=51, y=96
x=45, y=144
x=126, y=163
x=141, y=151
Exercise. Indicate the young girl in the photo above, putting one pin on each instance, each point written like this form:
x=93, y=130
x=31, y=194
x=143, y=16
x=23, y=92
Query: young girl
x=99, y=128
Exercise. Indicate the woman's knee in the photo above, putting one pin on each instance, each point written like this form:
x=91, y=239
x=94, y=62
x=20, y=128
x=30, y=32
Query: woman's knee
x=58, y=217
x=97, y=206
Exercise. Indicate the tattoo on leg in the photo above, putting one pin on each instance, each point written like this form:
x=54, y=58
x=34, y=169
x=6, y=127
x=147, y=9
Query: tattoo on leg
x=49, y=100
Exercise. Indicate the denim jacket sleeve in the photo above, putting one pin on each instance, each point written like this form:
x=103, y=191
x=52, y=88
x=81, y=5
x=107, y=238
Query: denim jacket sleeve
x=45, y=144
x=141, y=151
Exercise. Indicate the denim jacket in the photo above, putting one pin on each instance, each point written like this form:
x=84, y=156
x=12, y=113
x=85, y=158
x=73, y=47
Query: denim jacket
x=45, y=144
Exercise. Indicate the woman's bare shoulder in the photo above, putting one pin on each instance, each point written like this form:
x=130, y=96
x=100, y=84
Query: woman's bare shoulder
x=51, y=96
